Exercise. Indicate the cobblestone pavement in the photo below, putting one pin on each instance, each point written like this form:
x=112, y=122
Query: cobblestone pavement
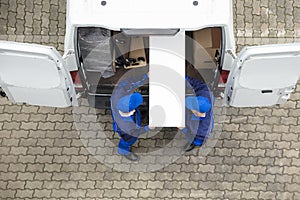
x=256, y=157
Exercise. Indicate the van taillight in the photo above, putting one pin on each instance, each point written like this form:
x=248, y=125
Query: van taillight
x=75, y=77
x=224, y=76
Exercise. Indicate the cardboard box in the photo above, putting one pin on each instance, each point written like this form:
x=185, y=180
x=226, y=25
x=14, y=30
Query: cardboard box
x=207, y=42
x=130, y=47
x=137, y=49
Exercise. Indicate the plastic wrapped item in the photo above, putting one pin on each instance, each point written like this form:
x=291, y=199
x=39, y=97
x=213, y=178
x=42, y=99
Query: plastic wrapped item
x=109, y=72
x=95, y=49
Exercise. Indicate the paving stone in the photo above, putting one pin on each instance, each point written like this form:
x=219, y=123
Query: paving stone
x=284, y=195
x=296, y=195
x=4, y=167
x=59, y=193
x=36, y=150
x=267, y=195
x=274, y=153
x=206, y=168
x=258, y=186
x=60, y=176
x=78, y=176
x=257, y=155
x=263, y=112
x=233, y=194
x=4, y=150
x=12, y=109
x=112, y=193
x=95, y=176
x=28, y=142
x=138, y=185
x=266, y=161
x=147, y=193
x=106, y=184
x=265, y=178
x=250, y=195
x=273, y=136
x=155, y=184
x=29, y=125
x=52, y=168
x=172, y=185
x=292, y=187
x=257, y=152
x=42, y=193
x=180, y=176
x=86, y=184
x=16, y=167
x=98, y=193
x=24, y=193
x=69, y=184
x=164, y=193
x=241, y=186
x=34, y=185
x=50, y=185
x=18, y=150
x=25, y=176
x=181, y=193
x=26, y=159
x=129, y=193
x=16, y=185
x=11, y=125
x=215, y=177
x=43, y=176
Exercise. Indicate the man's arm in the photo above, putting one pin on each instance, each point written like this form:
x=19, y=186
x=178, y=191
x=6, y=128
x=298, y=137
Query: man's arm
x=133, y=83
x=200, y=88
x=132, y=129
x=205, y=127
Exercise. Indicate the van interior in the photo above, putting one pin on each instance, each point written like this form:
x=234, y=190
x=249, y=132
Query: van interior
x=105, y=56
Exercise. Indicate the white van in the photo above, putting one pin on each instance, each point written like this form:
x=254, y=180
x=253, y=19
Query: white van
x=105, y=39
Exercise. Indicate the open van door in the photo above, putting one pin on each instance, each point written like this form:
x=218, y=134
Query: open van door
x=263, y=75
x=35, y=75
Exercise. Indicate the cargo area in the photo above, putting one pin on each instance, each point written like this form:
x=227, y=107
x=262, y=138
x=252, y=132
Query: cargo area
x=204, y=54
x=106, y=55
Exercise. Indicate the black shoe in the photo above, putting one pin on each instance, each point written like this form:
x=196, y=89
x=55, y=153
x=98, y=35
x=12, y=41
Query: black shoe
x=188, y=147
x=132, y=157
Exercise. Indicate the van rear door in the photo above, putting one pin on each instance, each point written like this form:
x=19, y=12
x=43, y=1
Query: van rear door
x=35, y=75
x=263, y=75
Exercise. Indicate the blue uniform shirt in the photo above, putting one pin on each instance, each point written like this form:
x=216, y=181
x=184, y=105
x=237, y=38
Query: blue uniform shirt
x=128, y=125
x=198, y=129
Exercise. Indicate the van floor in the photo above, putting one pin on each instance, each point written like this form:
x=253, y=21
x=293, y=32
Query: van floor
x=95, y=79
x=102, y=85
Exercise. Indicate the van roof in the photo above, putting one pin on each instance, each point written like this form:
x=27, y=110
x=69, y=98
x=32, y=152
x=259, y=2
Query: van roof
x=142, y=14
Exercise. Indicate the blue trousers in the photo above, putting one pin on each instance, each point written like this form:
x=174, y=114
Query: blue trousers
x=125, y=143
x=192, y=139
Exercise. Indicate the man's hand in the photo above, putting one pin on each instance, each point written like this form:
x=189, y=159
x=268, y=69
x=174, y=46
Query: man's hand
x=180, y=128
x=152, y=127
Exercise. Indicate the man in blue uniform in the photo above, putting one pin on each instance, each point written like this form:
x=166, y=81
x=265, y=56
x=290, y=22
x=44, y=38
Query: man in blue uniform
x=199, y=114
x=126, y=114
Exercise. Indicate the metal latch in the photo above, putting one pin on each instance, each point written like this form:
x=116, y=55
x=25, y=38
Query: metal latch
x=285, y=94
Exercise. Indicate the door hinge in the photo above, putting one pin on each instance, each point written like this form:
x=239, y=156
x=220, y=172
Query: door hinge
x=69, y=52
x=231, y=53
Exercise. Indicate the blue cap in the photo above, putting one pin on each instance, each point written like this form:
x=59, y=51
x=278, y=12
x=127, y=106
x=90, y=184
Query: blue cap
x=201, y=104
x=130, y=102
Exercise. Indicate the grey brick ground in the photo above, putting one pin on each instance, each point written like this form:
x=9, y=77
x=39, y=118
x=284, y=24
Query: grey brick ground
x=256, y=157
